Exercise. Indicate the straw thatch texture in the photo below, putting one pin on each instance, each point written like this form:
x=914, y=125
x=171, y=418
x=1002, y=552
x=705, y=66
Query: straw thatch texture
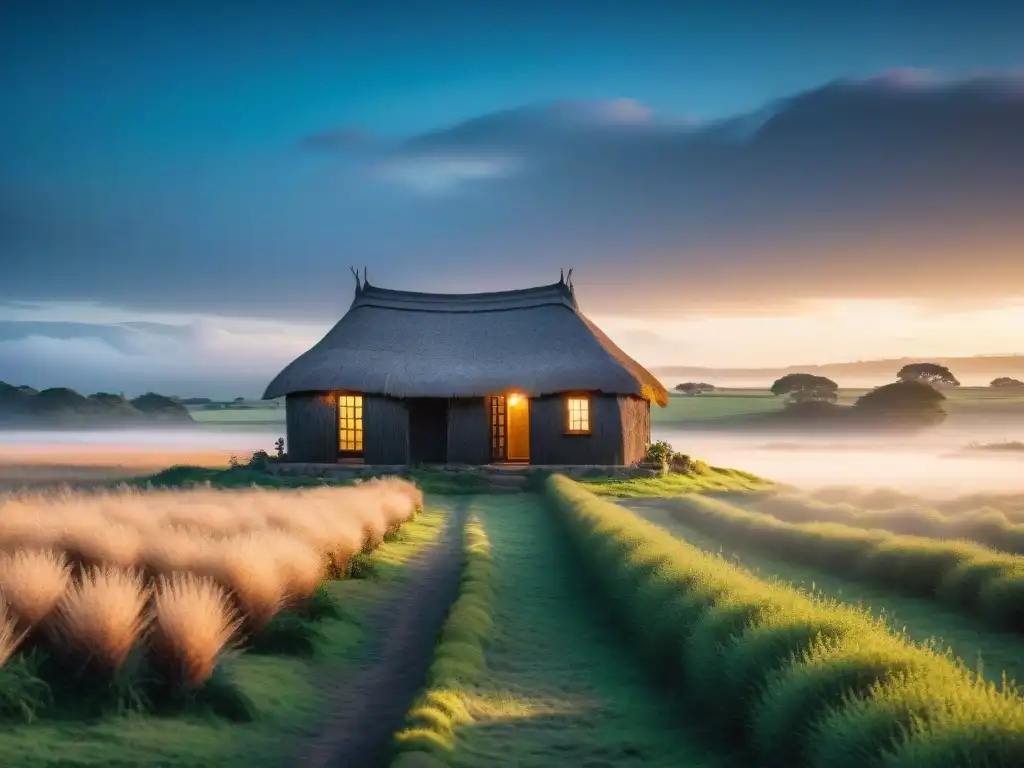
x=406, y=344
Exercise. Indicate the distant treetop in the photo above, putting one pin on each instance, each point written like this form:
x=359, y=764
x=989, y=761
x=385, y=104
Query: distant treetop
x=929, y=373
x=806, y=388
x=1006, y=381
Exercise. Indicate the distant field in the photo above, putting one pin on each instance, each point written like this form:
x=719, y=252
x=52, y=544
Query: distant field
x=721, y=406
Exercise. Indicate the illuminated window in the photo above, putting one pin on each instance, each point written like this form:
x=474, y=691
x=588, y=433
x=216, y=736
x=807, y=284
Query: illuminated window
x=577, y=412
x=350, y=423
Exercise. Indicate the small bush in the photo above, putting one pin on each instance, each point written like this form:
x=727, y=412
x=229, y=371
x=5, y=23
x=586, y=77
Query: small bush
x=360, y=566
x=429, y=736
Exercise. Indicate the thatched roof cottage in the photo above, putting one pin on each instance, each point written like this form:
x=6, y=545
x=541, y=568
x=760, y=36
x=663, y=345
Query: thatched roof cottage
x=510, y=376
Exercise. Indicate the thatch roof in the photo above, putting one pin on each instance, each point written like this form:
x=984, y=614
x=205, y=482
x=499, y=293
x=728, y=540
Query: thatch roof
x=408, y=344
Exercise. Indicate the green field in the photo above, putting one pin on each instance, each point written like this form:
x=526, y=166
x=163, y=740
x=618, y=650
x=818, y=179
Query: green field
x=995, y=653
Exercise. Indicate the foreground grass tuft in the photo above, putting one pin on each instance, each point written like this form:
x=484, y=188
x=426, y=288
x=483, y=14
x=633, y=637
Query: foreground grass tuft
x=429, y=732
x=800, y=682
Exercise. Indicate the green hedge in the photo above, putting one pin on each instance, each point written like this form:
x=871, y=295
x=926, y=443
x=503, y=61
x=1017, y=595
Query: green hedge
x=966, y=576
x=799, y=682
x=984, y=525
x=428, y=738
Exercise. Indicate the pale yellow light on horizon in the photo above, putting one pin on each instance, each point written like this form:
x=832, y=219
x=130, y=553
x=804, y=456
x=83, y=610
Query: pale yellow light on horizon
x=827, y=332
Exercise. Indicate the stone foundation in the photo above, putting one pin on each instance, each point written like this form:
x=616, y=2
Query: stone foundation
x=498, y=474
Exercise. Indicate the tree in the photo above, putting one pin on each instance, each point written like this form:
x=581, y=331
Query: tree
x=1006, y=381
x=806, y=388
x=929, y=373
x=239, y=400
x=693, y=387
x=903, y=403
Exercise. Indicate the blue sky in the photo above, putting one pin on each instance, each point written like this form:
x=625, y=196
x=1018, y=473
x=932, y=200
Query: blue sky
x=156, y=165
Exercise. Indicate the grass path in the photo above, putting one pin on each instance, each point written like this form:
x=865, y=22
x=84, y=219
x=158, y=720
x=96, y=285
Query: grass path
x=367, y=705
x=561, y=686
x=288, y=692
x=922, y=620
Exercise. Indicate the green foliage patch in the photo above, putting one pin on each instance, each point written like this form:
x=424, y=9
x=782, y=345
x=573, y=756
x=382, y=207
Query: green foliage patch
x=798, y=681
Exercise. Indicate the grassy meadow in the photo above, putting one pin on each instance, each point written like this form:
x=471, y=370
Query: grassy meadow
x=204, y=615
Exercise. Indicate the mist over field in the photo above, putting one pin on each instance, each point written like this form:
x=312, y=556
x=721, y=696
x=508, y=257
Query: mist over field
x=935, y=464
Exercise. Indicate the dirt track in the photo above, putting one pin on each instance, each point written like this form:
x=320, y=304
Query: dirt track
x=369, y=704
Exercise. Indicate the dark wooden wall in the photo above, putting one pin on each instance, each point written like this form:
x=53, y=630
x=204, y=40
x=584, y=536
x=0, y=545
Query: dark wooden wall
x=620, y=430
x=550, y=445
x=311, y=423
x=636, y=428
x=469, y=431
x=385, y=430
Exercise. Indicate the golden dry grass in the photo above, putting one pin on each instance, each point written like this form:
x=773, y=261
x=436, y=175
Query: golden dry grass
x=193, y=622
x=32, y=582
x=100, y=617
x=81, y=567
x=9, y=635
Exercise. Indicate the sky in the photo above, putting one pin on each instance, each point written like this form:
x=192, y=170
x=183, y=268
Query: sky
x=183, y=187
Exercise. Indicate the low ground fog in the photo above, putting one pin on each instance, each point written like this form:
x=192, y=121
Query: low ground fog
x=29, y=458
x=932, y=464
x=936, y=464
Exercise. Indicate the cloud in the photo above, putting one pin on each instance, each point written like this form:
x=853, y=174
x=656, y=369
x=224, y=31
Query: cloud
x=207, y=356
x=902, y=186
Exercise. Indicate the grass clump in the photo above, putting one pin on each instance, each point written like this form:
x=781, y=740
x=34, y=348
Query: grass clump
x=430, y=726
x=800, y=682
x=961, y=574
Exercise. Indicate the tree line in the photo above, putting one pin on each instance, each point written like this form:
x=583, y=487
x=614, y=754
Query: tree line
x=914, y=397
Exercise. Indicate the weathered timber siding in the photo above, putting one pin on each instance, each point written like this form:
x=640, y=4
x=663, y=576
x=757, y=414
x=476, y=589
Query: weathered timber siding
x=636, y=428
x=311, y=423
x=469, y=431
x=385, y=430
x=550, y=445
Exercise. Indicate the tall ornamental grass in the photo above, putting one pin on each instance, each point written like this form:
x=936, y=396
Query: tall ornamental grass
x=133, y=598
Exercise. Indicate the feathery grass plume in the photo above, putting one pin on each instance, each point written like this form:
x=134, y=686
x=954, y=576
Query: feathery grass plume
x=193, y=622
x=175, y=551
x=242, y=565
x=89, y=539
x=301, y=567
x=10, y=637
x=204, y=518
x=100, y=618
x=26, y=526
x=32, y=582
